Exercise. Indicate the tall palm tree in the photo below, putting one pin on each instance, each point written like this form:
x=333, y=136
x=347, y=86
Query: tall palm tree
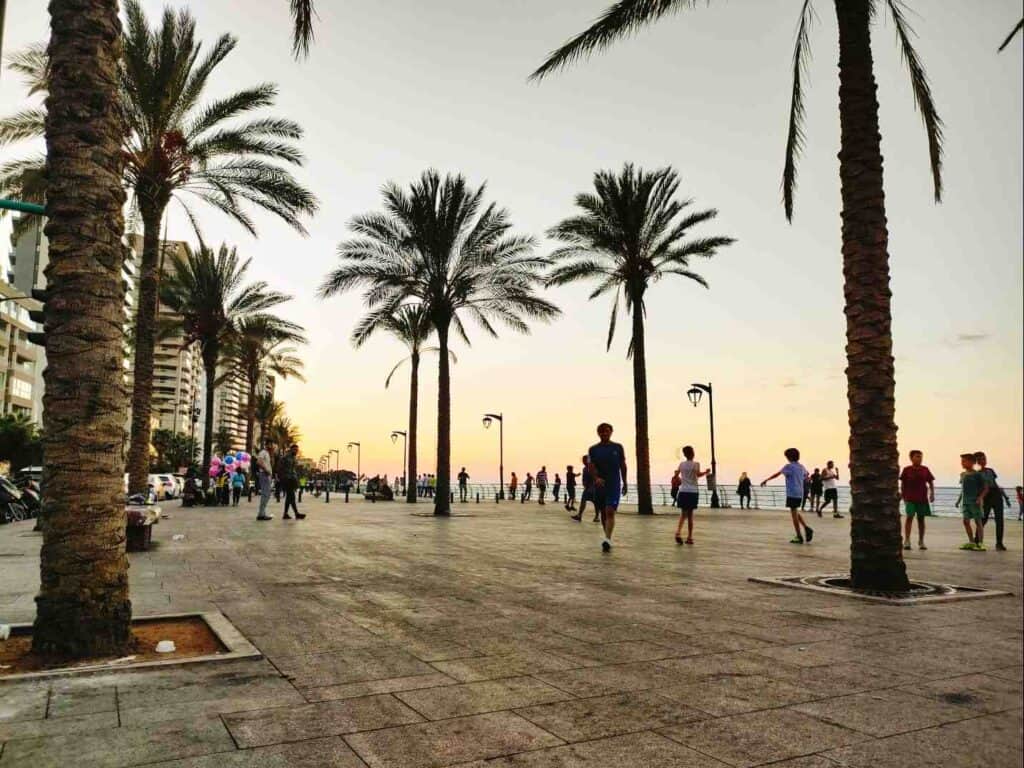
x=207, y=290
x=411, y=325
x=876, y=551
x=174, y=147
x=83, y=608
x=439, y=245
x=632, y=232
x=268, y=410
x=259, y=349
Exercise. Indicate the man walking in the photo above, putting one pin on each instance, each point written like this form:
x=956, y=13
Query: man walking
x=542, y=483
x=463, y=487
x=265, y=471
x=570, y=490
x=608, y=464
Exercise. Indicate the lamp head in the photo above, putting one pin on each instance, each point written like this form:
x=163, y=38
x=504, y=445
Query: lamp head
x=695, y=394
x=487, y=422
x=394, y=437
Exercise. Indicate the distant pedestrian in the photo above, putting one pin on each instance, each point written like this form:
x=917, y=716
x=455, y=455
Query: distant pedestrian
x=570, y=490
x=917, y=487
x=973, y=490
x=556, y=488
x=993, y=505
x=743, y=489
x=289, y=479
x=542, y=483
x=513, y=486
x=816, y=488
x=421, y=485
x=1020, y=502
x=608, y=463
x=807, y=490
x=264, y=476
x=675, y=483
x=237, y=484
x=689, y=493
x=431, y=486
x=463, y=484
x=302, y=486
x=587, y=478
x=829, y=478
x=527, y=488
x=795, y=475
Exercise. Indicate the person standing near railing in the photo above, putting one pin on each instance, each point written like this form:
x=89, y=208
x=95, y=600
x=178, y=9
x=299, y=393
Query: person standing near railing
x=829, y=478
x=556, y=488
x=676, y=481
x=463, y=484
x=743, y=489
x=542, y=483
x=570, y=490
x=513, y=484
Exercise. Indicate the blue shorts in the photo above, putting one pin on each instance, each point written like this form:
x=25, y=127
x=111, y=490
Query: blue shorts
x=687, y=500
x=607, y=497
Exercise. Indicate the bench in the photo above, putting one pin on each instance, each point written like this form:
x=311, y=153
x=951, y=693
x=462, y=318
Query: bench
x=139, y=531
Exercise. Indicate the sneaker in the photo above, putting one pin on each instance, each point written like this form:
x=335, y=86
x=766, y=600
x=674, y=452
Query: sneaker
x=286, y=517
x=596, y=520
x=968, y=545
x=264, y=517
x=810, y=533
x=679, y=539
x=796, y=540
x=920, y=545
x=606, y=545
x=577, y=518
x=1000, y=547
x=980, y=548
x=906, y=545
x=300, y=516
x=838, y=516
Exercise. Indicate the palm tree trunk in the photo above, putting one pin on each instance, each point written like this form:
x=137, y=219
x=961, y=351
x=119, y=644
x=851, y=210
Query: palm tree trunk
x=414, y=395
x=210, y=355
x=643, y=445
x=250, y=415
x=876, y=548
x=83, y=607
x=145, y=341
x=442, y=505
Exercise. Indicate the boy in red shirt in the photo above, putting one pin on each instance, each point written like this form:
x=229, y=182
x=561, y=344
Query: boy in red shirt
x=917, y=486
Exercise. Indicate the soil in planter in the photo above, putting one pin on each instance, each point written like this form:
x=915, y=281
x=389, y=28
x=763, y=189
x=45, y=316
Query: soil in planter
x=192, y=637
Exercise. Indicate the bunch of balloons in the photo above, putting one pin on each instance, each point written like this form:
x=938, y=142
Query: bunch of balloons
x=240, y=461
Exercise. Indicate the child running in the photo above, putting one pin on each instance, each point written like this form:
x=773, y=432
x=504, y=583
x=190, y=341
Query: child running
x=972, y=495
x=686, y=499
x=795, y=475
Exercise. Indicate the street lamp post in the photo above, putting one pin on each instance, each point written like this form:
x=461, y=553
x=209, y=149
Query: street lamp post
x=337, y=462
x=394, y=439
x=488, y=419
x=694, y=394
x=359, y=462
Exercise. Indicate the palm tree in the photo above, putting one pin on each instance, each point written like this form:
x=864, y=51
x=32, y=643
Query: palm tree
x=268, y=410
x=175, y=146
x=258, y=350
x=629, y=235
x=83, y=608
x=208, y=292
x=876, y=554
x=302, y=33
x=437, y=244
x=411, y=325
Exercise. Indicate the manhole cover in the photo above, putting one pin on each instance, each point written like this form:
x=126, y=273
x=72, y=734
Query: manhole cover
x=919, y=592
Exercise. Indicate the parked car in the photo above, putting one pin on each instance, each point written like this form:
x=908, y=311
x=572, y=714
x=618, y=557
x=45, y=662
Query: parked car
x=164, y=486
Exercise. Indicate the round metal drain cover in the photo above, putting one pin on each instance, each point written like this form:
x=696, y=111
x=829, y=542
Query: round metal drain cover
x=917, y=588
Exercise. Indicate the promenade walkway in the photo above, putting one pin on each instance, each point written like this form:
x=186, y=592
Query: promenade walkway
x=506, y=638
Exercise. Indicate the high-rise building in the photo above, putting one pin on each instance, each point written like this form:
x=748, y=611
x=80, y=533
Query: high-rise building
x=19, y=395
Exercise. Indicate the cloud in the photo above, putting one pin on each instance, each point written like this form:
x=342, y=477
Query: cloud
x=970, y=338
x=789, y=383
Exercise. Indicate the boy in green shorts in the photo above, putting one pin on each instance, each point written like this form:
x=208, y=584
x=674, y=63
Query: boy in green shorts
x=917, y=486
x=972, y=494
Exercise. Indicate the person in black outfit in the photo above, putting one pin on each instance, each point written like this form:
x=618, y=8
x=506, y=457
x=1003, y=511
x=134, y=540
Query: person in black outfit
x=816, y=491
x=743, y=490
x=556, y=487
x=463, y=487
x=570, y=489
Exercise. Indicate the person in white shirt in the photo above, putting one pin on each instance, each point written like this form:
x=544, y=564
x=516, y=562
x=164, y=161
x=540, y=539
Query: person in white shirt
x=264, y=474
x=828, y=483
x=689, y=493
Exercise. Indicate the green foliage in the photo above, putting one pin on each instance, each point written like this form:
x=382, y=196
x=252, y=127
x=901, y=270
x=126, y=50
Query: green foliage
x=223, y=443
x=173, y=451
x=20, y=442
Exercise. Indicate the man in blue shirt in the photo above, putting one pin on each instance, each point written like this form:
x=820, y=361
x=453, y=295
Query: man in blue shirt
x=608, y=463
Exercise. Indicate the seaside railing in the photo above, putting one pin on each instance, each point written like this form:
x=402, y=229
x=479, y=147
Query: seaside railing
x=768, y=497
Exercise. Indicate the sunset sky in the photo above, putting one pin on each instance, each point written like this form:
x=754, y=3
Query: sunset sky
x=392, y=88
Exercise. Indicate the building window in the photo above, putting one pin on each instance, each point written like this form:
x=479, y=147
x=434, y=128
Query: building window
x=21, y=389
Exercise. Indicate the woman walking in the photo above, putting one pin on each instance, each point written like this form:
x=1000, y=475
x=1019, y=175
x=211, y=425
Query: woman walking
x=237, y=484
x=289, y=477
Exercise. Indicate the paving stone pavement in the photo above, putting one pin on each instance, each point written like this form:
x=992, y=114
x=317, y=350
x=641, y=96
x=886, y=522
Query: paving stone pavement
x=506, y=638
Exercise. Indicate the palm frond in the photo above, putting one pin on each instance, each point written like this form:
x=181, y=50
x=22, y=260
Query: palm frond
x=622, y=19
x=1009, y=37
x=27, y=124
x=303, y=14
x=33, y=64
x=922, y=93
x=795, y=134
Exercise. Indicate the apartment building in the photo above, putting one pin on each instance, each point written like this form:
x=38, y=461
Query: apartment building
x=18, y=358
